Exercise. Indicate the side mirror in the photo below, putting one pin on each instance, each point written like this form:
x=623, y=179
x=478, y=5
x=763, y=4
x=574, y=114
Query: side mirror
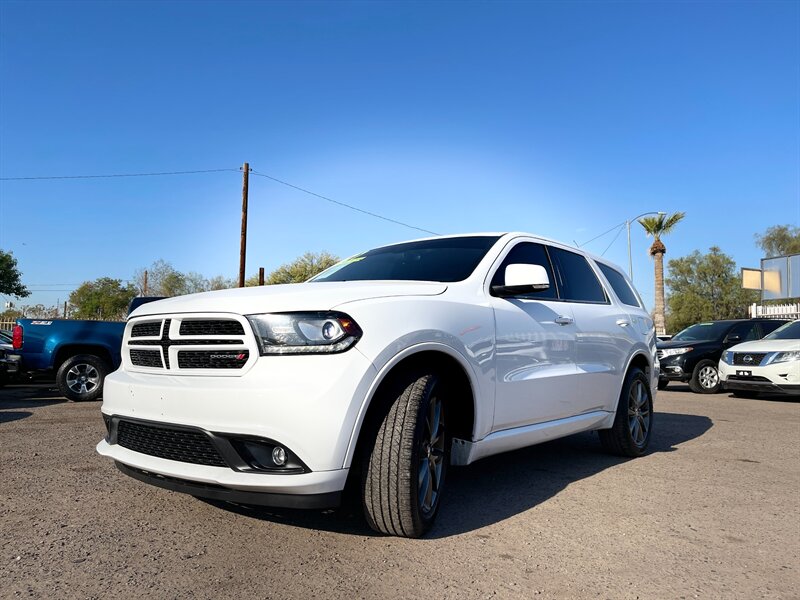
x=522, y=279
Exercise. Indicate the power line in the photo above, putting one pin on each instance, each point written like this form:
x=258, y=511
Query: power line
x=114, y=175
x=351, y=207
x=602, y=234
x=614, y=240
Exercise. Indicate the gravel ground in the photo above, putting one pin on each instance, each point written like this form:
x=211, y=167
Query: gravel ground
x=710, y=512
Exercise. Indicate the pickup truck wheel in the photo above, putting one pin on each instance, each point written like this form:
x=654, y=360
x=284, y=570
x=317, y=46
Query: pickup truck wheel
x=80, y=378
x=633, y=424
x=405, y=467
x=705, y=378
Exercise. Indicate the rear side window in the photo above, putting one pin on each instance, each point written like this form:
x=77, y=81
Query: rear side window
x=528, y=253
x=768, y=327
x=746, y=331
x=621, y=287
x=575, y=277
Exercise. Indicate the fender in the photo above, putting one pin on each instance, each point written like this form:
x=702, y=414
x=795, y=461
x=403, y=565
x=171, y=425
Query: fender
x=638, y=351
x=387, y=368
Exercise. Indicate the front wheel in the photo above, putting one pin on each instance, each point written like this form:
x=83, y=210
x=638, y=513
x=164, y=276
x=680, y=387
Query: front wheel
x=80, y=378
x=633, y=423
x=406, y=463
x=705, y=378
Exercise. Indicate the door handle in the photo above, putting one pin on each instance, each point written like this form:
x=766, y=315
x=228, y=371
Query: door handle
x=623, y=322
x=564, y=320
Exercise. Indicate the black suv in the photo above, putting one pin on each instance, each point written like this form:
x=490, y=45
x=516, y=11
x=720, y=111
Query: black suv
x=693, y=354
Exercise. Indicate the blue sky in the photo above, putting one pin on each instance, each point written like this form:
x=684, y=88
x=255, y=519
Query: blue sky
x=558, y=118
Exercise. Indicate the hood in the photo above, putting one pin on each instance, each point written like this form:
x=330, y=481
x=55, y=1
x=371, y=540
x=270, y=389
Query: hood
x=288, y=297
x=683, y=344
x=766, y=346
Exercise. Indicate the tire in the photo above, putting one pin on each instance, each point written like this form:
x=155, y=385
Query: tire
x=663, y=383
x=705, y=378
x=405, y=465
x=80, y=377
x=633, y=425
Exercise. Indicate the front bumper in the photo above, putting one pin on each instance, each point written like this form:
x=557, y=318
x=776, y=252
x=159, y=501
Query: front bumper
x=309, y=404
x=672, y=369
x=781, y=378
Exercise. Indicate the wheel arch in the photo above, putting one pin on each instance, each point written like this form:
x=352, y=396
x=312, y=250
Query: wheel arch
x=67, y=351
x=638, y=360
x=444, y=359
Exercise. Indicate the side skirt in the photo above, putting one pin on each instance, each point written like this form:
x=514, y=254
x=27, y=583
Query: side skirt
x=464, y=452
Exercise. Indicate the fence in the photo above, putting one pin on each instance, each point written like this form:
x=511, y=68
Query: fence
x=776, y=311
x=6, y=324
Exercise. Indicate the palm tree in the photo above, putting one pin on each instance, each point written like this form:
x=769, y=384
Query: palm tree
x=657, y=227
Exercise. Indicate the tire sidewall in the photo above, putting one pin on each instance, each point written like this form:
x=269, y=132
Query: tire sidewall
x=426, y=519
x=638, y=375
x=81, y=359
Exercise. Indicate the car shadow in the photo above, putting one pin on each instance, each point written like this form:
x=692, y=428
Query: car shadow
x=29, y=396
x=499, y=487
x=7, y=416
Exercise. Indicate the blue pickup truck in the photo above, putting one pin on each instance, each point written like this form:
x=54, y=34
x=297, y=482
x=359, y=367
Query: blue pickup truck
x=80, y=353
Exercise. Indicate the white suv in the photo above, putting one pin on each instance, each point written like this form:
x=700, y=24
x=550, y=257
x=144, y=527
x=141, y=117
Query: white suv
x=380, y=372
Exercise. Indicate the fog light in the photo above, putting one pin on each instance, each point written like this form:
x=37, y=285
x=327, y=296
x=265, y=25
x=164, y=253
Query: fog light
x=279, y=456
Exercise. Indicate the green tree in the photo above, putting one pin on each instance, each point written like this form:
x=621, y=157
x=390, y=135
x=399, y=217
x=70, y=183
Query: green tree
x=779, y=240
x=104, y=298
x=658, y=227
x=301, y=269
x=705, y=287
x=162, y=280
x=10, y=277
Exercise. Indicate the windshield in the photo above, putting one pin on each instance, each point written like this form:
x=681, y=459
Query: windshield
x=789, y=331
x=441, y=259
x=702, y=332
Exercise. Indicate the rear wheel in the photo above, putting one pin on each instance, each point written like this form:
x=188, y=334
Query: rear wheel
x=406, y=463
x=705, y=378
x=80, y=378
x=633, y=424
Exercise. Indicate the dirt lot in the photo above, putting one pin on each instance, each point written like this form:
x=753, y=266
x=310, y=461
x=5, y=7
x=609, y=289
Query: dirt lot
x=711, y=512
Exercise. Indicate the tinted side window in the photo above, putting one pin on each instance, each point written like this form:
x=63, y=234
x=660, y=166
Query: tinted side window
x=576, y=280
x=528, y=253
x=746, y=331
x=770, y=326
x=620, y=285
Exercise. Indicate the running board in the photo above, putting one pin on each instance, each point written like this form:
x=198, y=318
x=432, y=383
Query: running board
x=463, y=452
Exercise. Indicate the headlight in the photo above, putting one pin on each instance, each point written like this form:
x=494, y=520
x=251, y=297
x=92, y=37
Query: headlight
x=785, y=356
x=304, y=332
x=674, y=351
x=727, y=357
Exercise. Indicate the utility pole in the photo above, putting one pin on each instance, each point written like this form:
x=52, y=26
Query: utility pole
x=144, y=290
x=260, y=275
x=243, y=247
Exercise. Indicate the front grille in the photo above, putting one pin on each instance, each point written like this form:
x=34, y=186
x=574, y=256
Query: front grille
x=197, y=343
x=173, y=444
x=212, y=359
x=151, y=329
x=211, y=327
x=146, y=358
x=757, y=357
